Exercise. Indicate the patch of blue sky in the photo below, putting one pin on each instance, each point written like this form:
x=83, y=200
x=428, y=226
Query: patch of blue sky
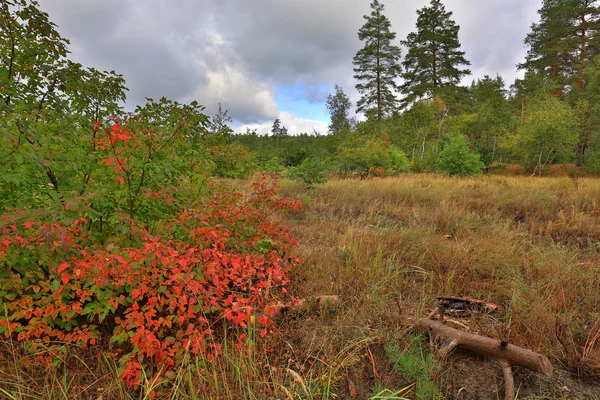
x=303, y=101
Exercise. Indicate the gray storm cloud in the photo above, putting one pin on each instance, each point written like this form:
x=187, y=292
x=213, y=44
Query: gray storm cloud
x=237, y=52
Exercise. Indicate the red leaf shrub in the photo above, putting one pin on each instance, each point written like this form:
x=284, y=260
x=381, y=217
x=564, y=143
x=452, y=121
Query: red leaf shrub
x=153, y=298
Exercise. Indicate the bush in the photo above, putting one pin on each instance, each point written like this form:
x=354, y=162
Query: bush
x=456, y=158
x=233, y=161
x=310, y=172
x=151, y=285
x=370, y=157
x=399, y=161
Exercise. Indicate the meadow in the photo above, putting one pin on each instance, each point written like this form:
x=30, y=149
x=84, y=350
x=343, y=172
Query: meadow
x=388, y=247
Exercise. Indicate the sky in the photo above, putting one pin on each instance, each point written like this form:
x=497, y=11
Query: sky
x=266, y=59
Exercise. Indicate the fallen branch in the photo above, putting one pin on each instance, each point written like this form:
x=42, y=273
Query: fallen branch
x=306, y=305
x=506, y=354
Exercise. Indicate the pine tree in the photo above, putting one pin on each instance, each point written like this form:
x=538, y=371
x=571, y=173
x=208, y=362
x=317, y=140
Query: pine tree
x=377, y=65
x=339, y=105
x=434, y=56
x=276, y=130
x=561, y=47
x=567, y=36
x=219, y=123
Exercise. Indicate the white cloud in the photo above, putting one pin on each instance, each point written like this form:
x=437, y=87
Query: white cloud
x=237, y=52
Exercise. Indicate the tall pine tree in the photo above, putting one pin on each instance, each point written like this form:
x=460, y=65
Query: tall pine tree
x=434, y=58
x=561, y=46
x=567, y=36
x=377, y=65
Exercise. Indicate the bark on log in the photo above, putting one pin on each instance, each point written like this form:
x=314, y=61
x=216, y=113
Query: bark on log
x=506, y=354
x=490, y=348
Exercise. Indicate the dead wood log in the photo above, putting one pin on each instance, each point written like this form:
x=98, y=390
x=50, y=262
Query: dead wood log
x=506, y=354
x=310, y=304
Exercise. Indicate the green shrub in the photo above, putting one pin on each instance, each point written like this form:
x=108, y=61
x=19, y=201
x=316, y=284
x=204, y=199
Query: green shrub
x=457, y=158
x=310, y=172
x=366, y=157
x=233, y=161
x=399, y=161
x=415, y=365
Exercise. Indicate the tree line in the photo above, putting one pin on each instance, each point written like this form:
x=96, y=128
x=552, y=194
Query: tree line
x=412, y=97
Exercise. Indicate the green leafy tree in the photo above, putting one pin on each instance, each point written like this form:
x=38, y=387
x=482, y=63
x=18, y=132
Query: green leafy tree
x=560, y=47
x=47, y=103
x=377, y=65
x=362, y=156
x=338, y=105
x=492, y=118
x=457, y=158
x=310, y=172
x=547, y=135
x=433, y=60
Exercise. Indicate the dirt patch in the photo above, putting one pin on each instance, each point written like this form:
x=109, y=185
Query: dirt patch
x=469, y=378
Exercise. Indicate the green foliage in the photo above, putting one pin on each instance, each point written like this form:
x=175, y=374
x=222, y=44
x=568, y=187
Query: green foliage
x=376, y=65
x=398, y=160
x=47, y=103
x=433, y=58
x=457, y=158
x=233, y=161
x=338, y=105
x=310, y=172
x=414, y=364
x=370, y=157
x=547, y=135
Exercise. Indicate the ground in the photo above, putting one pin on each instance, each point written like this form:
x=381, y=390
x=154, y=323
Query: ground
x=388, y=247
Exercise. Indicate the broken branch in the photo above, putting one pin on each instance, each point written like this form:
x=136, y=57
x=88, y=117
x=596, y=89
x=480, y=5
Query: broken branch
x=506, y=354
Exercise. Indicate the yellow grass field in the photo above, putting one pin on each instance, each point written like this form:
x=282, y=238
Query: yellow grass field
x=388, y=247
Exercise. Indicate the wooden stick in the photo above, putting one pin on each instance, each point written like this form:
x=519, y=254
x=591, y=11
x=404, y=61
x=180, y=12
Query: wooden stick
x=307, y=305
x=509, y=381
x=490, y=348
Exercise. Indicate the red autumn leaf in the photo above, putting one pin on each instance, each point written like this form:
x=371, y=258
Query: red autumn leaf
x=65, y=278
x=62, y=267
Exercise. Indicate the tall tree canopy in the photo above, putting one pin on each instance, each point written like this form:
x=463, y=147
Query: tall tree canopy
x=434, y=58
x=565, y=38
x=377, y=65
x=561, y=46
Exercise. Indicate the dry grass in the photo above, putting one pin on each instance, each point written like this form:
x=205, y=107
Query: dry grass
x=388, y=247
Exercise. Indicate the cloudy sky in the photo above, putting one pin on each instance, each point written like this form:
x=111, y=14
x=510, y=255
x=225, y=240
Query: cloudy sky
x=266, y=59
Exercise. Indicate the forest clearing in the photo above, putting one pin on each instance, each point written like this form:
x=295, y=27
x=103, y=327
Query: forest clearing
x=388, y=247
x=419, y=237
